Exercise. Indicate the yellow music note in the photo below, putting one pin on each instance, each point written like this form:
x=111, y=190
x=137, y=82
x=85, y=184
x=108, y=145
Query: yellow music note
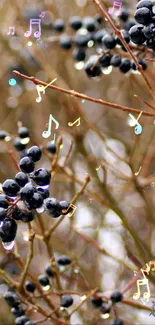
x=146, y=295
x=41, y=88
x=152, y=263
x=98, y=167
x=71, y=124
x=136, y=174
x=68, y=210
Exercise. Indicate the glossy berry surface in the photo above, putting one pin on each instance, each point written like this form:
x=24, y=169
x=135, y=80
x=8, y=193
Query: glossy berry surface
x=10, y=187
x=30, y=322
x=41, y=177
x=11, y=299
x=144, y=3
x=65, y=42
x=18, y=145
x=90, y=24
x=8, y=230
x=27, y=192
x=58, y=25
x=4, y=201
x=3, y=134
x=49, y=271
x=66, y=301
x=64, y=260
x=34, y=153
x=21, y=320
x=51, y=147
x=137, y=35
x=116, y=297
x=21, y=178
x=109, y=42
x=96, y=301
x=143, y=16
x=75, y=22
x=35, y=202
x=26, y=165
x=43, y=280
x=117, y=322
x=52, y=204
x=3, y=214
x=30, y=286
x=26, y=216
x=23, y=132
x=125, y=65
x=92, y=69
x=17, y=311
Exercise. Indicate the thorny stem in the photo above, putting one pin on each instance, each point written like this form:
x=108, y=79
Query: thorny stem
x=118, y=33
x=82, y=96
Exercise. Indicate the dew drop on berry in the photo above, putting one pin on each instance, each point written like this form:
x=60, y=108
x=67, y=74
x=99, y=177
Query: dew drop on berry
x=9, y=246
x=41, y=209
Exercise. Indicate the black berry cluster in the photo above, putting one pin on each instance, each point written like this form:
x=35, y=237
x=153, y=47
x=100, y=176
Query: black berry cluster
x=27, y=193
x=13, y=301
x=143, y=33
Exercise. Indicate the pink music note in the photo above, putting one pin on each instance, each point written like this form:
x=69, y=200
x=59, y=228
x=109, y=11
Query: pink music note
x=115, y=4
x=42, y=15
x=11, y=30
x=34, y=22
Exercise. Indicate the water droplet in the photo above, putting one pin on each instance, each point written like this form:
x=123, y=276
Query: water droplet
x=83, y=101
x=9, y=246
x=1, y=224
x=12, y=82
x=25, y=140
x=8, y=138
x=46, y=288
x=29, y=43
x=79, y=65
x=105, y=316
x=90, y=44
x=83, y=297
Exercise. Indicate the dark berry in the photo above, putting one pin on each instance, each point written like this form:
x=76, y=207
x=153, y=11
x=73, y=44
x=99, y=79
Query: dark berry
x=41, y=177
x=117, y=322
x=115, y=60
x=16, y=213
x=35, y=202
x=43, y=280
x=99, y=18
x=92, y=68
x=21, y=178
x=90, y=24
x=44, y=192
x=99, y=35
x=51, y=147
x=8, y=230
x=34, y=153
x=96, y=301
x=143, y=16
x=26, y=164
x=79, y=54
x=52, y=205
x=26, y=216
x=49, y=271
x=75, y=22
x=17, y=311
x=30, y=286
x=10, y=187
x=3, y=214
x=149, y=30
x=4, y=201
x=124, y=14
x=64, y=260
x=144, y=3
x=21, y=320
x=65, y=42
x=150, y=43
x=18, y=145
x=109, y=41
x=129, y=23
x=137, y=35
x=143, y=63
x=82, y=40
x=64, y=205
x=27, y=192
x=3, y=134
x=125, y=65
x=59, y=25
x=105, y=60
x=105, y=308
x=116, y=297
x=66, y=301
x=23, y=132
x=11, y=299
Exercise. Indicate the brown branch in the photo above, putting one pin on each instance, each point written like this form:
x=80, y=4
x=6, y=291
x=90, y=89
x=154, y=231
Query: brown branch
x=118, y=33
x=92, y=292
x=82, y=96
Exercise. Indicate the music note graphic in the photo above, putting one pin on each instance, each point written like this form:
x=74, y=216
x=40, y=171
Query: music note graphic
x=146, y=295
x=46, y=134
x=53, y=141
x=11, y=30
x=71, y=124
x=115, y=5
x=42, y=15
x=37, y=33
x=138, y=127
x=40, y=89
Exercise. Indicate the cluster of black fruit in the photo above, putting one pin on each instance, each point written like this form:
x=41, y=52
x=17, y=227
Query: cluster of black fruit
x=90, y=30
x=105, y=307
x=25, y=194
x=143, y=33
x=13, y=300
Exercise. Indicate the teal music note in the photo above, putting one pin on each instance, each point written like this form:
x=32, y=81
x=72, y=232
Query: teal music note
x=138, y=127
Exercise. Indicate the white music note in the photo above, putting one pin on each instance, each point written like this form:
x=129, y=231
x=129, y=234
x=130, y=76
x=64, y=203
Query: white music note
x=34, y=22
x=46, y=134
x=40, y=89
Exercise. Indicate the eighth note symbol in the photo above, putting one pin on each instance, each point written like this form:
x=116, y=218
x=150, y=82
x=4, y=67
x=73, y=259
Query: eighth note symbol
x=11, y=30
x=46, y=134
x=71, y=124
x=42, y=15
x=40, y=89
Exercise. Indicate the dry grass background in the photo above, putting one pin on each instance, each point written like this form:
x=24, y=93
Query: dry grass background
x=120, y=217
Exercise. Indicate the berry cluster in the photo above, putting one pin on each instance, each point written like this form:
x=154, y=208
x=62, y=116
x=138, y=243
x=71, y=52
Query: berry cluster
x=25, y=194
x=144, y=31
x=105, y=307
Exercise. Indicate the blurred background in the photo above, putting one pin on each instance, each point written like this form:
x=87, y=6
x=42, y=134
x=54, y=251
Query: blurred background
x=116, y=209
